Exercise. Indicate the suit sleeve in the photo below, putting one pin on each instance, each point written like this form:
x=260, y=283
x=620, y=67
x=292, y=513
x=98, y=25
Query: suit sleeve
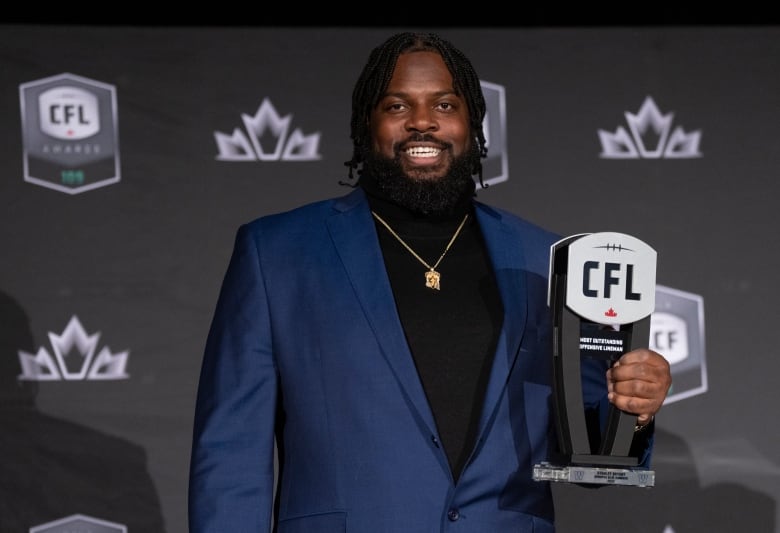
x=231, y=484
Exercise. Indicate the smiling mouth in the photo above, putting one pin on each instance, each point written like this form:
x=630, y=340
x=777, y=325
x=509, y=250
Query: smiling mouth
x=422, y=151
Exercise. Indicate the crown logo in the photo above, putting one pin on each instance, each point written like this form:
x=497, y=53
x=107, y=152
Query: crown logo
x=79, y=522
x=610, y=313
x=267, y=138
x=74, y=358
x=651, y=137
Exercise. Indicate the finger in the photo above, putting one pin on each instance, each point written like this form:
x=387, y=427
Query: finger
x=641, y=407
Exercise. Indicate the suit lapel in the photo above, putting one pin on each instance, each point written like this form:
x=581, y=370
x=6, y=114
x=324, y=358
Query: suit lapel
x=505, y=248
x=352, y=230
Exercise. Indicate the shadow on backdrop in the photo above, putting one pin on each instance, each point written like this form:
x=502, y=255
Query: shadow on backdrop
x=52, y=468
x=677, y=503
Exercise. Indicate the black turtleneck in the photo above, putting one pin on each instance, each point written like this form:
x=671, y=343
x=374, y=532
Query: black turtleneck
x=451, y=332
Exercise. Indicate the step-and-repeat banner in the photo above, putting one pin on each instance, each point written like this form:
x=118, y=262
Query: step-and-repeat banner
x=131, y=155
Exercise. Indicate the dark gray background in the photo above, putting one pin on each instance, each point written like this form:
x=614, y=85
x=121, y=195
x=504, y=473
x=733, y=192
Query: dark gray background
x=141, y=261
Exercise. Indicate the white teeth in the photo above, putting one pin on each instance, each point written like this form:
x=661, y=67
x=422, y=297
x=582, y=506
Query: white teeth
x=423, y=151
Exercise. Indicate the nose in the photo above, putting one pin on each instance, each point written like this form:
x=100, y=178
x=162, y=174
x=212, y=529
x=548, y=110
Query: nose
x=421, y=118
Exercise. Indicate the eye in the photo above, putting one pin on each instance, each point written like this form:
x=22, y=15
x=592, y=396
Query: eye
x=447, y=106
x=394, y=108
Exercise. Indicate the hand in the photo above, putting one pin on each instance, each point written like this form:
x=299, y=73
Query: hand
x=638, y=383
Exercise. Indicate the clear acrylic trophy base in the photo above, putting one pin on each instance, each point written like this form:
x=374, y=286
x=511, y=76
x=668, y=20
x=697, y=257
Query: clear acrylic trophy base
x=594, y=474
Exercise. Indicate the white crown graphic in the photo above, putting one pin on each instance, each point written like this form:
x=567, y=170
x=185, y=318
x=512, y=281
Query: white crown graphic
x=267, y=139
x=649, y=122
x=74, y=358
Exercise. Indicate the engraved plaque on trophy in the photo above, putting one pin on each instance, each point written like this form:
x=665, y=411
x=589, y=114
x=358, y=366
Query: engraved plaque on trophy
x=601, y=295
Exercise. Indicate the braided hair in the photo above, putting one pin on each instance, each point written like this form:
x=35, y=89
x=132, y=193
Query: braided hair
x=376, y=75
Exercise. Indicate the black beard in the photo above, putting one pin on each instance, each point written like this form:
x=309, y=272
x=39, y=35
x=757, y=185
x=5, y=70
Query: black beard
x=449, y=194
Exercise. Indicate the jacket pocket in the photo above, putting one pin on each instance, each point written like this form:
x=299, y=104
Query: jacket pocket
x=335, y=522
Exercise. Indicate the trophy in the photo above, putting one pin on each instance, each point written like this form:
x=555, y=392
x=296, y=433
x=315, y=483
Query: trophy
x=601, y=293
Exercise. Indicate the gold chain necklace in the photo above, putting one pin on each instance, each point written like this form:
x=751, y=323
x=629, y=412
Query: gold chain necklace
x=432, y=277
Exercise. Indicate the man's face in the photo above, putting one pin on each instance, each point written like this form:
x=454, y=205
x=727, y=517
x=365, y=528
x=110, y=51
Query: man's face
x=420, y=122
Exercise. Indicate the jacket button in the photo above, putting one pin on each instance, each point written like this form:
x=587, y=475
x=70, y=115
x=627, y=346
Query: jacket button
x=453, y=515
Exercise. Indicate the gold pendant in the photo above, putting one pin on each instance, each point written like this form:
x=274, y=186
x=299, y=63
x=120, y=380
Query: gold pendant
x=432, y=279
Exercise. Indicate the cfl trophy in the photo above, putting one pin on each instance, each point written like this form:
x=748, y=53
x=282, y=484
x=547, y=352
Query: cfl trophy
x=601, y=294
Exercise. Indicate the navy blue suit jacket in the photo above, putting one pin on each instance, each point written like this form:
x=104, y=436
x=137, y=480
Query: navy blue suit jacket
x=306, y=346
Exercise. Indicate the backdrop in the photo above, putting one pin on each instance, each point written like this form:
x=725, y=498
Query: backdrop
x=131, y=155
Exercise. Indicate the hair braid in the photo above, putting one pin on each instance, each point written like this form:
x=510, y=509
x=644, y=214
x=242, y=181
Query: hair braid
x=376, y=75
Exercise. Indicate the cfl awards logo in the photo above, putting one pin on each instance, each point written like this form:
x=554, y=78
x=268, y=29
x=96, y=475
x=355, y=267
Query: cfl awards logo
x=75, y=357
x=651, y=137
x=611, y=278
x=677, y=332
x=69, y=133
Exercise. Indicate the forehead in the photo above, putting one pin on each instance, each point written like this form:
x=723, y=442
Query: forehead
x=420, y=71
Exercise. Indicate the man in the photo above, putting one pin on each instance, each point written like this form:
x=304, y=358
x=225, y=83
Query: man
x=394, y=342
